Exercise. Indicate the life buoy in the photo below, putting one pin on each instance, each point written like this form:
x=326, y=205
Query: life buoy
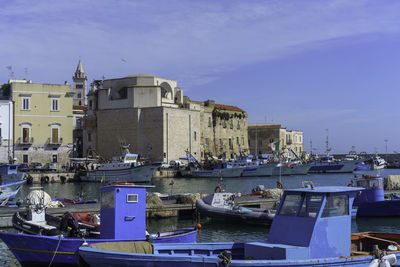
x=45, y=180
x=369, y=176
x=218, y=189
x=279, y=185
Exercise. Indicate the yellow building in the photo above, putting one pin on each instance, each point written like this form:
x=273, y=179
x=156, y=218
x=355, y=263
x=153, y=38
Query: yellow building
x=43, y=122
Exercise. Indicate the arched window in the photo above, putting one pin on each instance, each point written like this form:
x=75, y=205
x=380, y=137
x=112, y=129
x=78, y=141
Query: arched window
x=55, y=133
x=26, y=132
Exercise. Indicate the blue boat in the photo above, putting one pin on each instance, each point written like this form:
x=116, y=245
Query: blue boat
x=329, y=165
x=371, y=202
x=11, y=181
x=312, y=227
x=123, y=214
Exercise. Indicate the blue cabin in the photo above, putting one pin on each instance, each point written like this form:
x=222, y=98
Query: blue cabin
x=310, y=223
x=373, y=192
x=123, y=212
x=8, y=169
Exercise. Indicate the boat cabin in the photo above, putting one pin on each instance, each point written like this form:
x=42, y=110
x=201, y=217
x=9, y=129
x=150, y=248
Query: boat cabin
x=310, y=223
x=373, y=192
x=8, y=169
x=123, y=212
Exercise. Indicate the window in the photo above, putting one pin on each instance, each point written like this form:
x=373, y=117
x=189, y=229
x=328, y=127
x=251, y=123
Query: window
x=26, y=103
x=238, y=125
x=209, y=121
x=90, y=104
x=230, y=143
x=54, y=104
x=243, y=141
x=25, y=158
x=194, y=135
x=231, y=124
x=79, y=86
x=220, y=142
x=132, y=198
x=336, y=206
x=310, y=207
x=79, y=95
x=237, y=140
x=290, y=205
x=54, y=158
x=89, y=137
x=206, y=141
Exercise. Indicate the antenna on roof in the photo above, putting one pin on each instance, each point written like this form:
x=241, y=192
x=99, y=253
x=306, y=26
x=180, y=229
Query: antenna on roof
x=11, y=74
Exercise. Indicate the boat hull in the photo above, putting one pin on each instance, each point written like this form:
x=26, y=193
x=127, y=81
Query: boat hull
x=225, y=173
x=260, y=170
x=344, y=166
x=10, y=189
x=383, y=208
x=175, y=255
x=250, y=216
x=140, y=174
x=33, y=250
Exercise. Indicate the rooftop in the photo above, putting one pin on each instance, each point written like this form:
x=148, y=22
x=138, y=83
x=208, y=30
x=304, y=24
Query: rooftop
x=227, y=107
x=265, y=126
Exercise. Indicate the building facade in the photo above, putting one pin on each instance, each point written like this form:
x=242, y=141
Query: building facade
x=145, y=111
x=223, y=130
x=43, y=122
x=6, y=130
x=269, y=138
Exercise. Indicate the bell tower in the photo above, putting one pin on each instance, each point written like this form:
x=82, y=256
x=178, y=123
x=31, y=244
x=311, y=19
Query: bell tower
x=79, y=86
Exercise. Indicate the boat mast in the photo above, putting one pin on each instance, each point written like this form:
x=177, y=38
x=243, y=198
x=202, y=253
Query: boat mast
x=328, y=149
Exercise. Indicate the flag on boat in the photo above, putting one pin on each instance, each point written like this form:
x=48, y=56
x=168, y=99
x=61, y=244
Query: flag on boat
x=102, y=178
x=274, y=146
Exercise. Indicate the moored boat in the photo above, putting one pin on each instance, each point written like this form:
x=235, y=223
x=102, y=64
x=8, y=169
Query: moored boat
x=222, y=206
x=123, y=213
x=11, y=181
x=371, y=202
x=312, y=227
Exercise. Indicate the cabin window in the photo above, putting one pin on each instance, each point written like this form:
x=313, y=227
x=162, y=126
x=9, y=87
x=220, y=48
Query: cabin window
x=310, y=207
x=336, y=206
x=131, y=198
x=107, y=200
x=290, y=205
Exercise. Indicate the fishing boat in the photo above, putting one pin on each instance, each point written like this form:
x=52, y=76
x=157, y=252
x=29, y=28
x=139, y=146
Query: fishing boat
x=222, y=206
x=210, y=168
x=123, y=218
x=371, y=202
x=11, y=181
x=312, y=227
x=125, y=167
x=378, y=163
x=329, y=165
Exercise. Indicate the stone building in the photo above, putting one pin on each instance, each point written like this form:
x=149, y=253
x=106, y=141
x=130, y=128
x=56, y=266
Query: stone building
x=79, y=87
x=269, y=138
x=144, y=111
x=6, y=129
x=223, y=130
x=43, y=122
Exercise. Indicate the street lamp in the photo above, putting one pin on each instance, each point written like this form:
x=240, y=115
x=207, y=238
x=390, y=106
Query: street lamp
x=386, y=141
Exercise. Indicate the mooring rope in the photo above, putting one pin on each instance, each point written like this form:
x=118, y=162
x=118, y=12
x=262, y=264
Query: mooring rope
x=55, y=252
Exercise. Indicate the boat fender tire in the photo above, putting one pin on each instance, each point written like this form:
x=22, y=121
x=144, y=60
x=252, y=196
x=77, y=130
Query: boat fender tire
x=68, y=220
x=63, y=179
x=45, y=180
x=29, y=179
x=218, y=189
x=279, y=185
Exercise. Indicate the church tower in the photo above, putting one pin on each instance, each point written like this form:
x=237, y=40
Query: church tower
x=79, y=86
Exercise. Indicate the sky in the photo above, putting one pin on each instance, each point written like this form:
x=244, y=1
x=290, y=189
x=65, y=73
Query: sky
x=327, y=68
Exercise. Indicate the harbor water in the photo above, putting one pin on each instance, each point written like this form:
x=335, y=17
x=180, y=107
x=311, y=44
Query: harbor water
x=216, y=231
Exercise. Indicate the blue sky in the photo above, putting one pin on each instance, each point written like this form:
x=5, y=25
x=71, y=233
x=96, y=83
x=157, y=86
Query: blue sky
x=308, y=65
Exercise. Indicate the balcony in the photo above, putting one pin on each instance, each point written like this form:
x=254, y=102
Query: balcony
x=25, y=141
x=54, y=141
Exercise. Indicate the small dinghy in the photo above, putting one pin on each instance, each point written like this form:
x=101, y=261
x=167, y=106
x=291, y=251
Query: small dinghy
x=221, y=205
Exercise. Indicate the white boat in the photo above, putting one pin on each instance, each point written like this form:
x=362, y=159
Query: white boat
x=378, y=163
x=123, y=168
